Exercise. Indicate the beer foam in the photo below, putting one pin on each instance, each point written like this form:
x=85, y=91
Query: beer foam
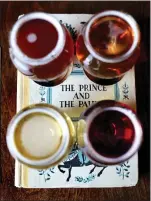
x=31, y=38
x=38, y=136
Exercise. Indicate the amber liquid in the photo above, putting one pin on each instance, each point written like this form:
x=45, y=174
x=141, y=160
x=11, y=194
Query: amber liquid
x=110, y=37
x=36, y=39
x=111, y=134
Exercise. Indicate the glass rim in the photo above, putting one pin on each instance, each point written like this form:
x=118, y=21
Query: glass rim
x=50, y=56
x=126, y=17
x=136, y=142
x=45, y=109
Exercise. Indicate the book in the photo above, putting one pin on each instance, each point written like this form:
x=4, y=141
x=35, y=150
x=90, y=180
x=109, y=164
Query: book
x=75, y=94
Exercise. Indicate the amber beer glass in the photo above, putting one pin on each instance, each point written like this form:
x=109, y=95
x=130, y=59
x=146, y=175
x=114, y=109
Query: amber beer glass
x=40, y=136
x=109, y=132
x=41, y=48
x=108, y=46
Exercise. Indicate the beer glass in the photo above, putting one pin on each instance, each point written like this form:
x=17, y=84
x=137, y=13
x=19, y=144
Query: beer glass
x=40, y=136
x=109, y=132
x=108, y=46
x=41, y=48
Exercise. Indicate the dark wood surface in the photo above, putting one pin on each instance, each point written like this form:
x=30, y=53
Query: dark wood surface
x=9, y=12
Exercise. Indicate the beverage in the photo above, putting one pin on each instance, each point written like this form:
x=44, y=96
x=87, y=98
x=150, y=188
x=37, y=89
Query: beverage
x=40, y=136
x=34, y=128
x=116, y=135
x=108, y=46
x=41, y=48
x=109, y=132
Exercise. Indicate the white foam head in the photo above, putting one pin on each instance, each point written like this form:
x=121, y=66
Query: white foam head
x=41, y=162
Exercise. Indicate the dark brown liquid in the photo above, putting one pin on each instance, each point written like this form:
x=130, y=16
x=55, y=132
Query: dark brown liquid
x=46, y=39
x=110, y=37
x=111, y=134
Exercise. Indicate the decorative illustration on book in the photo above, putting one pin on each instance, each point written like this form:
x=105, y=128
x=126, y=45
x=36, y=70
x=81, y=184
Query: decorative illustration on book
x=125, y=91
x=42, y=92
x=123, y=170
x=77, y=159
x=71, y=29
x=74, y=34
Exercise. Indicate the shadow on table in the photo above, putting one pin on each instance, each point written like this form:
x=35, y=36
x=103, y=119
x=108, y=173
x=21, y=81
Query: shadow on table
x=142, y=74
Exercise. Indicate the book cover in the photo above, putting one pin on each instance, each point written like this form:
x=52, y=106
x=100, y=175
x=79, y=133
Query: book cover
x=75, y=94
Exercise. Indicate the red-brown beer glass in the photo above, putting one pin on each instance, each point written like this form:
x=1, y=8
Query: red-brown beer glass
x=41, y=48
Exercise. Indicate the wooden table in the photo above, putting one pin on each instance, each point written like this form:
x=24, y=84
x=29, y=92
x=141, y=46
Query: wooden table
x=8, y=15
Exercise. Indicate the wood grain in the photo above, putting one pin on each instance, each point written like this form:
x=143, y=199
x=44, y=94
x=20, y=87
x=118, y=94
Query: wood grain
x=9, y=12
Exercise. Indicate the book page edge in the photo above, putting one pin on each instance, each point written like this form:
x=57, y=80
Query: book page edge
x=21, y=171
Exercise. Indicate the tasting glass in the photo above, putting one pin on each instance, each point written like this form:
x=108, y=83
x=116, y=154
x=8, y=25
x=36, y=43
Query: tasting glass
x=41, y=48
x=40, y=136
x=109, y=132
x=108, y=46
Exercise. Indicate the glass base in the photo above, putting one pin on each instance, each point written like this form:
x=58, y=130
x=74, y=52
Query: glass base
x=102, y=81
x=55, y=82
x=46, y=84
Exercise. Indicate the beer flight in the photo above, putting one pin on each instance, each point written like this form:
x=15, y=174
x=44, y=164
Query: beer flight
x=108, y=132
